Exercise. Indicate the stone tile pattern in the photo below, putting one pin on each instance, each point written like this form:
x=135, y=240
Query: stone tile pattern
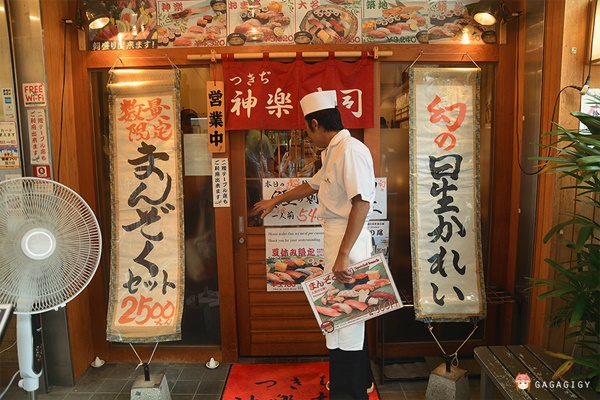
x=113, y=381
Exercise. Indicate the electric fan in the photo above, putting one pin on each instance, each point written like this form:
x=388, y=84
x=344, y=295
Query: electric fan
x=50, y=245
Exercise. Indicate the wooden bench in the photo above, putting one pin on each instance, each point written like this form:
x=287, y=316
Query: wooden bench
x=501, y=364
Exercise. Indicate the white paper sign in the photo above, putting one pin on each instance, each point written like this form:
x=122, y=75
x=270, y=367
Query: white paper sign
x=34, y=94
x=304, y=211
x=38, y=137
x=220, y=178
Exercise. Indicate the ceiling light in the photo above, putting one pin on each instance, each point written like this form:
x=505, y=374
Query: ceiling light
x=487, y=12
x=95, y=15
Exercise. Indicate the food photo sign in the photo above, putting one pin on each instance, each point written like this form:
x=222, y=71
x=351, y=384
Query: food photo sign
x=328, y=22
x=151, y=24
x=293, y=255
x=371, y=293
x=256, y=22
x=297, y=254
x=191, y=23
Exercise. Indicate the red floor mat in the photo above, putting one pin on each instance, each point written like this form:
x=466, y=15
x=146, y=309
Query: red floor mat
x=296, y=381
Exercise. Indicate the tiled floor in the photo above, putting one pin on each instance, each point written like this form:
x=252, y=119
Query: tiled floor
x=113, y=381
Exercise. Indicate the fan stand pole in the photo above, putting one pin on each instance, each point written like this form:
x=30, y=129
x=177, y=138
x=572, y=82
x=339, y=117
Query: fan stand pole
x=27, y=356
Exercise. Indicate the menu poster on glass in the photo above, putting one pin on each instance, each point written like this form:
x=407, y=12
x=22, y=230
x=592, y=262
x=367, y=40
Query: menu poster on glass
x=322, y=22
x=380, y=232
x=132, y=26
x=304, y=211
x=261, y=22
x=384, y=23
x=296, y=254
x=371, y=293
x=191, y=23
x=9, y=151
x=293, y=255
x=452, y=22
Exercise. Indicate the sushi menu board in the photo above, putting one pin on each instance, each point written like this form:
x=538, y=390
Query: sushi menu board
x=404, y=24
x=256, y=22
x=452, y=22
x=293, y=255
x=151, y=24
x=371, y=293
x=297, y=254
x=329, y=23
x=132, y=27
x=190, y=23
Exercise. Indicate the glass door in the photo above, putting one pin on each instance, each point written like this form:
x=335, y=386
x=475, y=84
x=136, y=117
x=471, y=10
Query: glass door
x=10, y=152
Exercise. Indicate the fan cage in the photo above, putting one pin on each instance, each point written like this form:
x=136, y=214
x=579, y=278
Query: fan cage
x=34, y=286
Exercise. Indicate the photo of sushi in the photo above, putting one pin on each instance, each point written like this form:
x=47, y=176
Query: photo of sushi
x=331, y=25
x=287, y=273
x=396, y=25
x=130, y=26
x=450, y=21
x=190, y=23
x=370, y=293
x=264, y=22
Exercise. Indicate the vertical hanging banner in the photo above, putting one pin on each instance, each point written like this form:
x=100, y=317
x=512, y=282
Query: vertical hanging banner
x=215, y=111
x=147, y=262
x=444, y=190
x=266, y=94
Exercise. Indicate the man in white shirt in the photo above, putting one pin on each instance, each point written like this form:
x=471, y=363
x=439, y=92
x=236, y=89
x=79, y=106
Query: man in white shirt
x=346, y=190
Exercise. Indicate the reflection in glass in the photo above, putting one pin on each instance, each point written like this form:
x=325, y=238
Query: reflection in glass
x=200, y=323
x=276, y=154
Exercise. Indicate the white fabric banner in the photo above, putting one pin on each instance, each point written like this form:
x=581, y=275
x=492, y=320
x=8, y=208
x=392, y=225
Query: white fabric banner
x=147, y=268
x=445, y=216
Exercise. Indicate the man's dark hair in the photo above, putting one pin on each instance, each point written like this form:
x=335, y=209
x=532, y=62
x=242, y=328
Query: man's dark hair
x=330, y=119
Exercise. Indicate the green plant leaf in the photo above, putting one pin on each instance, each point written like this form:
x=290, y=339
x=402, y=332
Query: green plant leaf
x=587, y=363
x=578, y=310
x=592, y=123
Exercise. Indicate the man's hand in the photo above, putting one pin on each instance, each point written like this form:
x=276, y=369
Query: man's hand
x=263, y=207
x=340, y=269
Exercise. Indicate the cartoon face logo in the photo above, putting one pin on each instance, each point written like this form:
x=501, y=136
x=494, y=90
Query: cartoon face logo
x=523, y=381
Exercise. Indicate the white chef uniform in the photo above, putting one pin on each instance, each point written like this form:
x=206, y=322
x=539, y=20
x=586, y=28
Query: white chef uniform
x=347, y=171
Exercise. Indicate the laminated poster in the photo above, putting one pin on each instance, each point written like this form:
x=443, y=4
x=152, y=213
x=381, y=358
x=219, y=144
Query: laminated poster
x=191, y=23
x=297, y=254
x=337, y=305
x=293, y=255
x=253, y=23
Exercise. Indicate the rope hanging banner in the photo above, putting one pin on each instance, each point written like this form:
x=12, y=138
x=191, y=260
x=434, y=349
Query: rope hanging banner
x=444, y=192
x=147, y=268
